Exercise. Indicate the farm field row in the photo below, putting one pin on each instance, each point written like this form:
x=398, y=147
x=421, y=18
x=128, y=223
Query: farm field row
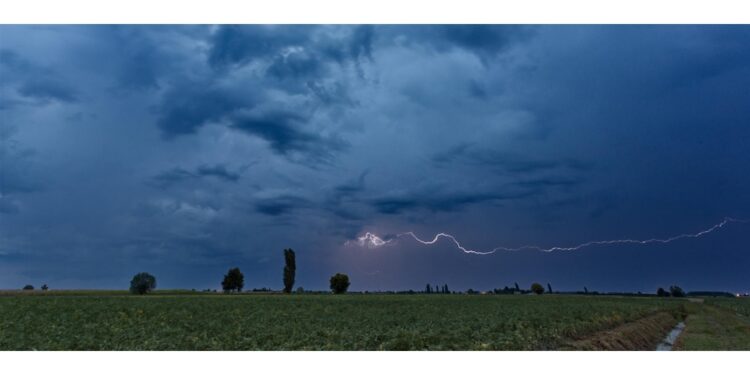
x=314, y=322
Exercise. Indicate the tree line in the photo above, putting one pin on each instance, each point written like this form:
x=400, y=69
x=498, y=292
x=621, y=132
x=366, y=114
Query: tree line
x=234, y=280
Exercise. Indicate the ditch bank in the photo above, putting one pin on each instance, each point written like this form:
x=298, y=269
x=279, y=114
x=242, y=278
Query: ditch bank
x=643, y=334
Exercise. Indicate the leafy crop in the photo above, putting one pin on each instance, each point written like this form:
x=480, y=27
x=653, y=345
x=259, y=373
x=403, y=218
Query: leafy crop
x=310, y=322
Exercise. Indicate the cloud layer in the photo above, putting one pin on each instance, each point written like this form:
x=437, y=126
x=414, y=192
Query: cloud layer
x=188, y=149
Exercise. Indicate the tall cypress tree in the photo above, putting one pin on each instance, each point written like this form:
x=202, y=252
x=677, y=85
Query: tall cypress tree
x=290, y=268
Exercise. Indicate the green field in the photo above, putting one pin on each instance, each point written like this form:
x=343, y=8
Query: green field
x=717, y=324
x=168, y=321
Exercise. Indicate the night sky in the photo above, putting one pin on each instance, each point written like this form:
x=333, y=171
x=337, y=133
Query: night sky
x=186, y=150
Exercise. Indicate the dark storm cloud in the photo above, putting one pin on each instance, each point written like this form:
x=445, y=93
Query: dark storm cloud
x=234, y=44
x=505, y=161
x=437, y=201
x=33, y=81
x=187, y=107
x=281, y=205
x=178, y=175
x=16, y=162
x=284, y=133
x=353, y=187
x=482, y=39
x=47, y=90
x=499, y=133
x=294, y=50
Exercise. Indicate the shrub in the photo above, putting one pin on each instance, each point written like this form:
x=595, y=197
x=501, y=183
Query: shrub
x=142, y=283
x=234, y=280
x=662, y=293
x=28, y=287
x=339, y=283
x=676, y=291
x=290, y=268
x=45, y=287
x=537, y=288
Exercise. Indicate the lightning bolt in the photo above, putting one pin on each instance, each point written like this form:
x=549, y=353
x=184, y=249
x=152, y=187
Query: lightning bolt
x=372, y=241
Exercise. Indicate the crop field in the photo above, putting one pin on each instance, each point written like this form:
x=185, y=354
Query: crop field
x=739, y=305
x=717, y=324
x=173, y=321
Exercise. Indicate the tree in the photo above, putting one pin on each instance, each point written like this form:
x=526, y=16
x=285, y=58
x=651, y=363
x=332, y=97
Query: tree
x=549, y=288
x=234, y=280
x=142, y=283
x=300, y=290
x=585, y=290
x=290, y=268
x=537, y=288
x=676, y=291
x=339, y=283
x=28, y=287
x=428, y=289
x=517, y=288
x=45, y=287
x=445, y=289
x=662, y=293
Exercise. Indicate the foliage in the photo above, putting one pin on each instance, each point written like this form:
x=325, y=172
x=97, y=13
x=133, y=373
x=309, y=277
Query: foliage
x=290, y=268
x=142, y=283
x=45, y=287
x=28, y=287
x=339, y=283
x=537, y=288
x=234, y=280
x=676, y=291
x=310, y=321
x=662, y=293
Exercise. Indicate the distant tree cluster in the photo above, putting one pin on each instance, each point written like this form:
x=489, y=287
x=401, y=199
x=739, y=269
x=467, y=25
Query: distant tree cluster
x=233, y=281
x=142, y=283
x=339, y=283
x=537, y=288
x=437, y=289
x=44, y=287
x=674, y=291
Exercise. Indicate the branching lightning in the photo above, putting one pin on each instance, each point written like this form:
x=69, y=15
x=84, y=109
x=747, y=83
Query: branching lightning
x=372, y=241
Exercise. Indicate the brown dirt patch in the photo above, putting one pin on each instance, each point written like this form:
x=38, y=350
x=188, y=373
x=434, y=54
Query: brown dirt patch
x=642, y=334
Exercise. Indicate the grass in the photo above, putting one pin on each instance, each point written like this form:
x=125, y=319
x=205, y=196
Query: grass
x=117, y=321
x=740, y=306
x=717, y=324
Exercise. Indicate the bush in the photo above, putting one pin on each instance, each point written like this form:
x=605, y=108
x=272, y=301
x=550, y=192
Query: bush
x=28, y=287
x=339, y=283
x=142, y=283
x=676, y=291
x=537, y=288
x=662, y=293
x=45, y=287
x=233, y=280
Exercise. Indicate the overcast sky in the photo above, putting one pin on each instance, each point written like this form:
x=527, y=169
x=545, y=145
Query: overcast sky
x=186, y=150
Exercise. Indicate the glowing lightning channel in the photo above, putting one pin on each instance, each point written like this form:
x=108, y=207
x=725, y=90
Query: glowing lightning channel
x=371, y=240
